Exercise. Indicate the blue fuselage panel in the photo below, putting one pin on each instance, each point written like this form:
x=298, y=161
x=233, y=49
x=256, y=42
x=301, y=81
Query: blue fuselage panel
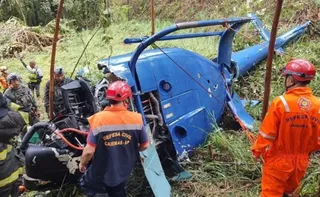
x=196, y=96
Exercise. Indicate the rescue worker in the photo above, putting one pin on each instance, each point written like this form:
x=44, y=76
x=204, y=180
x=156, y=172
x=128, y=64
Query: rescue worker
x=21, y=98
x=59, y=80
x=11, y=161
x=3, y=78
x=115, y=139
x=289, y=132
x=35, y=76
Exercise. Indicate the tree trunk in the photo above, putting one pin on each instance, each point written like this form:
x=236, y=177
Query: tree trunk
x=21, y=11
x=129, y=3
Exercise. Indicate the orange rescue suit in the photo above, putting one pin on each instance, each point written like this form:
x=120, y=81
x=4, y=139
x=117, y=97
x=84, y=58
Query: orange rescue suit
x=288, y=134
x=3, y=81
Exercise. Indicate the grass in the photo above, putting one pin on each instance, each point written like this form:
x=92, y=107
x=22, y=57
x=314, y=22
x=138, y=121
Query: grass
x=230, y=170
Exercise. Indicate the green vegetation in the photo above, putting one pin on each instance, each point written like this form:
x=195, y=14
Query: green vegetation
x=223, y=166
x=83, y=13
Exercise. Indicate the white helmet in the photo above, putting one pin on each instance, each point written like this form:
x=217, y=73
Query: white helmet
x=13, y=76
x=3, y=68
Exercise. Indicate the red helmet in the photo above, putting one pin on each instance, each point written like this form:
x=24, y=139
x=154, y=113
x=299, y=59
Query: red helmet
x=119, y=91
x=300, y=69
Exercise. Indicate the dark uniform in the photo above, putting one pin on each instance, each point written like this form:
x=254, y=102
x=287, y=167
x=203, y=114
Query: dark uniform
x=20, y=99
x=23, y=98
x=11, y=163
x=58, y=105
x=116, y=133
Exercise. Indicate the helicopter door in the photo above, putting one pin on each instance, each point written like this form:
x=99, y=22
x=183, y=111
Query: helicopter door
x=153, y=170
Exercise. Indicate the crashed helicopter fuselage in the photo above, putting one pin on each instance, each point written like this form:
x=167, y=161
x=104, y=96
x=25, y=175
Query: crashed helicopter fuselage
x=178, y=92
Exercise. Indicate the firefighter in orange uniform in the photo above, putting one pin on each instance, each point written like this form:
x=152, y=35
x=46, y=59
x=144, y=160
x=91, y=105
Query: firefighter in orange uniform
x=289, y=132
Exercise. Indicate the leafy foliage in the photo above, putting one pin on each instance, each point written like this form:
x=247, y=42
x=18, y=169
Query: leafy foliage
x=85, y=13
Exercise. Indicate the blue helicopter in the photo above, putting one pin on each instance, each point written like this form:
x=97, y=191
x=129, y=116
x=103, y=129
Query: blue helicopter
x=178, y=92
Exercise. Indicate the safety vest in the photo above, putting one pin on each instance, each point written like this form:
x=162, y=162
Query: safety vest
x=33, y=76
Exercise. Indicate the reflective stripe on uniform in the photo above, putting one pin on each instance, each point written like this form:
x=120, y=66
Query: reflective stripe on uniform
x=266, y=136
x=34, y=73
x=33, y=77
x=13, y=177
x=25, y=116
x=286, y=106
x=4, y=153
x=318, y=138
x=121, y=127
x=14, y=107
